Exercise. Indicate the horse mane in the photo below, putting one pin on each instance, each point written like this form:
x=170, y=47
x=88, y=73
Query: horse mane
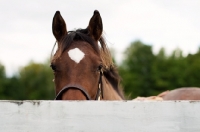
x=110, y=71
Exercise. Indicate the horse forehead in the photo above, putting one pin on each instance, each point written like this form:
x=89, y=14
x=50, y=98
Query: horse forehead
x=76, y=54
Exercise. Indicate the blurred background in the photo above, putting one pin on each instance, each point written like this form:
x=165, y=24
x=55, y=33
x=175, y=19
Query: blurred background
x=155, y=44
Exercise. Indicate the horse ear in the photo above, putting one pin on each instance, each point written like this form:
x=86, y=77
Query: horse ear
x=58, y=26
x=95, y=26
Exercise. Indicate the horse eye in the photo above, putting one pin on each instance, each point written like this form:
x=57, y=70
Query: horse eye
x=100, y=67
x=53, y=67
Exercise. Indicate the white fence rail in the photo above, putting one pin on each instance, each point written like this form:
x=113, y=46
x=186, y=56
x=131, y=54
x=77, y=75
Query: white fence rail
x=92, y=116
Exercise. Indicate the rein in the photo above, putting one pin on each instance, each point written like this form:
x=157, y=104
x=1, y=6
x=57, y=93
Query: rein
x=99, y=93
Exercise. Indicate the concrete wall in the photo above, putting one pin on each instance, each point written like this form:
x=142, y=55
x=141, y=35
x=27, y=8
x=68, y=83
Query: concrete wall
x=91, y=116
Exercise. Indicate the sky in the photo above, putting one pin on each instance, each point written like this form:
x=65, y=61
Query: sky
x=26, y=26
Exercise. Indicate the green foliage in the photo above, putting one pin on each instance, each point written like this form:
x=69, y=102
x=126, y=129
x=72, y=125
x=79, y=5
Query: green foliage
x=146, y=74
x=2, y=81
x=34, y=82
x=136, y=69
x=192, y=75
x=36, y=79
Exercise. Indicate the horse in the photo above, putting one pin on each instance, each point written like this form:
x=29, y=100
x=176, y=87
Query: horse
x=185, y=93
x=150, y=98
x=82, y=64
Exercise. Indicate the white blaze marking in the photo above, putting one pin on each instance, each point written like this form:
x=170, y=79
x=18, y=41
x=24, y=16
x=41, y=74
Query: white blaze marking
x=76, y=55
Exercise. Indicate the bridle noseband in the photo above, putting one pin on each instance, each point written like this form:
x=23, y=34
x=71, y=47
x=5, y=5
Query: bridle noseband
x=99, y=93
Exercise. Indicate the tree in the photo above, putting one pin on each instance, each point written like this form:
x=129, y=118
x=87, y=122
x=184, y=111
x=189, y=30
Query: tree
x=36, y=82
x=2, y=81
x=168, y=71
x=136, y=70
x=192, y=69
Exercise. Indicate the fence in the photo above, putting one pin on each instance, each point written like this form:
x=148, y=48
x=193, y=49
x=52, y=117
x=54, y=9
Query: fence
x=99, y=116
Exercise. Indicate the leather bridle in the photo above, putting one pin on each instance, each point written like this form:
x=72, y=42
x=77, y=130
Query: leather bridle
x=99, y=93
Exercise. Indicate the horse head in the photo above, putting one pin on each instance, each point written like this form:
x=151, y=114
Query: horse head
x=82, y=65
